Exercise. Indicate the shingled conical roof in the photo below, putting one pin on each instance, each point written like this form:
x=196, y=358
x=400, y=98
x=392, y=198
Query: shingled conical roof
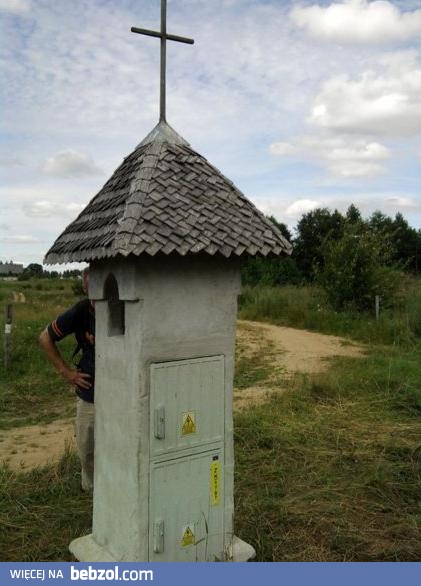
x=166, y=198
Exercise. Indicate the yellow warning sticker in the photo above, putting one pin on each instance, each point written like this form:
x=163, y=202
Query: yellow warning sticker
x=215, y=482
x=189, y=423
x=188, y=536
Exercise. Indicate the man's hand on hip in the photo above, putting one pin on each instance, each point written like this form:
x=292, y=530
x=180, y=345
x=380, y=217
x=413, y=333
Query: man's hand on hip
x=77, y=378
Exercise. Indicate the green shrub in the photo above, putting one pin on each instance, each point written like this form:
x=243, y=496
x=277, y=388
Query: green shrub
x=355, y=270
x=77, y=288
x=271, y=272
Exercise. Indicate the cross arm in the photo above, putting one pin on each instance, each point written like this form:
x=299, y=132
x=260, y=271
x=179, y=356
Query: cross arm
x=144, y=31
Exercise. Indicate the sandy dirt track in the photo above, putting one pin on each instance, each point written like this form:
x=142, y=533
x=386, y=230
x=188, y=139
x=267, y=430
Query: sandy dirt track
x=300, y=350
x=25, y=448
x=292, y=351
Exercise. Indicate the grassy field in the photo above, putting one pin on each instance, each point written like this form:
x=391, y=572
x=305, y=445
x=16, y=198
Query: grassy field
x=29, y=391
x=331, y=470
x=338, y=454
x=328, y=471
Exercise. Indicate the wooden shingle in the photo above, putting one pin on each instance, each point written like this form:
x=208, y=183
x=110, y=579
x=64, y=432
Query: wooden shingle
x=166, y=198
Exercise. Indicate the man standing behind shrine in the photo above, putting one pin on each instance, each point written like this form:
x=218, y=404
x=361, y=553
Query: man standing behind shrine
x=80, y=321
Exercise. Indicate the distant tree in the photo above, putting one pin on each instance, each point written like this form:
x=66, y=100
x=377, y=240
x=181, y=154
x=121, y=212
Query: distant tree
x=270, y=271
x=403, y=240
x=77, y=288
x=274, y=270
x=380, y=223
x=314, y=230
x=71, y=274
x=283, y=228
x=34, y=270
x=417, y=259
x=356, y=268
x=353, y=215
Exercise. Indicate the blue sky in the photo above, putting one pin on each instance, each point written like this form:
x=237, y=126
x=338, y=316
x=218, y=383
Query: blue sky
x=301, y=104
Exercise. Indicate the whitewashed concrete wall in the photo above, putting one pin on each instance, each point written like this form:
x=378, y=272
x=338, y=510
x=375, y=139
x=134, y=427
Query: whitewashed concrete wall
x=176, y=308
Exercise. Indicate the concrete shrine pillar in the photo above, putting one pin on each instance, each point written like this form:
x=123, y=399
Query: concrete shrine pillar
x=164, y=459
x=165, y=237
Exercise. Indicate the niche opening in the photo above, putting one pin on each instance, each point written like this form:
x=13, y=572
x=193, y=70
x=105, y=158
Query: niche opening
x=116, y=318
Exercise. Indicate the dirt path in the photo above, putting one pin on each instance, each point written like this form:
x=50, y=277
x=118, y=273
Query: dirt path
x=290, y=351
x=300, y=350
x=25, y=448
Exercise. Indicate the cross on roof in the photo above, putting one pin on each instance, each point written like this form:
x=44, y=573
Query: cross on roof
x=162, y=34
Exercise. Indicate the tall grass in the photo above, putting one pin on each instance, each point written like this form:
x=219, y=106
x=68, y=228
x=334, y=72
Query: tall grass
x=331, y=469
x=339, y=454
x=307, y=307
x=42, y=511
x=30, y=390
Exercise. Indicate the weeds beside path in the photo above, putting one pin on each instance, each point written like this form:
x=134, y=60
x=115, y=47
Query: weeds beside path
x=330, y=469
x=301, y=350
x=268, y=356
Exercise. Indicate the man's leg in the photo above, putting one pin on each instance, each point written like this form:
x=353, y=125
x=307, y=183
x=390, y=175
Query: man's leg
x=85, y=441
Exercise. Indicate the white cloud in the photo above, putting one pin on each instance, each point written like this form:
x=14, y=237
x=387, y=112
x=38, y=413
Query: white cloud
x=300, y=207
x=19, y=239
x=291, y=209
x=71, y=163
x=46, y=209
x=282, y=149
x=15, y=6
x=103, y=82
x=387, y=104
x=10, y=161
x=342, y=158
x=402, y=203
x=358, y=21
x=357, y=159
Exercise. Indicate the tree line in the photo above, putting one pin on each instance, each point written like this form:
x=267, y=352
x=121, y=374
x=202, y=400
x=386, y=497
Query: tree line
x=35, y=270
x=352, y=258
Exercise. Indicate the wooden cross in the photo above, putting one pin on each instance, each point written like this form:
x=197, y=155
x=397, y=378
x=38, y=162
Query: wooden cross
x=162, y=34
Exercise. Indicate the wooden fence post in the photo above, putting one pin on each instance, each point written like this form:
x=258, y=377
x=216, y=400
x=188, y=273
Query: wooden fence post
x=7, y=335
x=377, y=306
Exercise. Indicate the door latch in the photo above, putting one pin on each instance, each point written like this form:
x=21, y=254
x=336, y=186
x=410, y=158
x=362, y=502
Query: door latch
x=158, y=537
x=159, y=424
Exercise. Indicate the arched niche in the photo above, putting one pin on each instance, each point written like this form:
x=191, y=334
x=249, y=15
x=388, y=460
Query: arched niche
x=116, y=317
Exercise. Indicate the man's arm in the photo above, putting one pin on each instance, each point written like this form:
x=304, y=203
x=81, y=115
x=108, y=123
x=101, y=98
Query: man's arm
x=73, y=376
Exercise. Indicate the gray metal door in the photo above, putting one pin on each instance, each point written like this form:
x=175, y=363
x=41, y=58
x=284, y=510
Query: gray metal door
x=186, y=509
x=187, y=403
x=186, y=503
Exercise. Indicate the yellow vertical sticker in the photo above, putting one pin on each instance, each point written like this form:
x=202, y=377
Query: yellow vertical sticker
x=215, y=482
x=188, y=536
x=189, y=423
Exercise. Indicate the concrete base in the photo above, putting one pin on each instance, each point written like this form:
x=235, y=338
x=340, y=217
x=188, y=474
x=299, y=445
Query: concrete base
x=242, y=551
x=85, y=549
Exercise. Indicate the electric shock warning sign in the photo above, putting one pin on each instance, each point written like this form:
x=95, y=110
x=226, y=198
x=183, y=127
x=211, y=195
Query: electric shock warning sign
x=189, y=423
x=188, y=536
x=215, y=482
